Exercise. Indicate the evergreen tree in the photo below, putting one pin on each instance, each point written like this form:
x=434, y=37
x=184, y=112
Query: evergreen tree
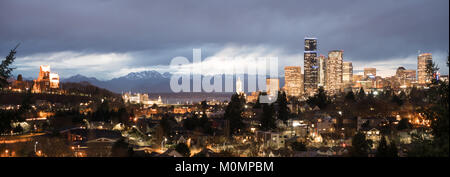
x=431, y=69
x=403, y=124
x=167, y=123
x=416, y=96
x=383, y=149
x=121, y=149
x=283, y=110
x=25, y=107
x=102, y=113
x=393, y=151
x=205, y=125
x=386, y=95
x=360, y=145
x=5, y=69
x=258, y=104
x=122, y=116
x=361, y=94
x=204, y=106
x=350, y=97
x=298, y=146
x=183, y=149
x=195, y=123
x=438, y=114
x=5, y=119
x=396, y=99
x=402, y=95
x=320, y=99
x=190, y=123
x=233, y=112
x=268, y=120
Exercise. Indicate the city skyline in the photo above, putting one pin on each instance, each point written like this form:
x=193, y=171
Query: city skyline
x=385, y=72
x=100, y=46
x=195, y=79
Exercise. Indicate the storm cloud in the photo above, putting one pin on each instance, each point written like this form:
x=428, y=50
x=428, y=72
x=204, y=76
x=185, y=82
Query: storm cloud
x=126, y=36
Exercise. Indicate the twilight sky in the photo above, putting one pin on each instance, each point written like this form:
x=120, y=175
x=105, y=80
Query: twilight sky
x=110, y=38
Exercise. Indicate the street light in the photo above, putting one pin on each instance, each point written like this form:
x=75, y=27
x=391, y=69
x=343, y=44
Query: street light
x=35, y=145
x=163, y=142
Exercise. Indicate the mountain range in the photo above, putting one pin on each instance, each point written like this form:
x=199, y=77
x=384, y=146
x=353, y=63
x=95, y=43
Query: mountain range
x=143, y=82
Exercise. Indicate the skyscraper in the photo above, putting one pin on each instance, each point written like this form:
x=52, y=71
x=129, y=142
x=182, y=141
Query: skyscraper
x=272, y=86
x=347, y=74
x=293, y=82
x=334, y=71
x=46, y=80
x=311, y=66
x=44, y=72
x=404, y=78
x=322, y=71
x=422, y=61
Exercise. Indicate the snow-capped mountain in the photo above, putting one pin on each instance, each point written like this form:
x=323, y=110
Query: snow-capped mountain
x=145, y=81
x=146, y=75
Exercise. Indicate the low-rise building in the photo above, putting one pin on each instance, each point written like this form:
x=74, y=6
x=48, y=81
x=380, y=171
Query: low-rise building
x=270, y=139
x=372, y=134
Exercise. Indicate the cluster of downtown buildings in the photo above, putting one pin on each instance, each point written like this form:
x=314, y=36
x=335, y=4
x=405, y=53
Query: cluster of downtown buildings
x=317, y=127
x=336, y=75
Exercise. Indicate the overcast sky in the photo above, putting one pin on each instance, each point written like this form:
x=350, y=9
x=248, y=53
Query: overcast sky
x=110, y=38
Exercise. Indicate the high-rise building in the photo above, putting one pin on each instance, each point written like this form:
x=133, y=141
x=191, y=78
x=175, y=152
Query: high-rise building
x=44, y=72
x=410, y=74
x=422, y=61
x=356, y=80
x=46, y=80
x=370, y=72
x=54, y=80
x=334, y=71
x=293, y=83
x=322, y=71
x=239, y=87
x=272, y=86
x=347, y=74
x=311, y=66
x=404, y=77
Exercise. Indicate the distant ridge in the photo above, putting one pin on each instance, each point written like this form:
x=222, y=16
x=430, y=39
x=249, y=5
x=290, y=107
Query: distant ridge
x=144, y=82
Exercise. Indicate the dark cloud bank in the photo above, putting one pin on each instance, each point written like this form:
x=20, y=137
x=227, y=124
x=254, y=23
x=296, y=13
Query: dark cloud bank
x=367, y=31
